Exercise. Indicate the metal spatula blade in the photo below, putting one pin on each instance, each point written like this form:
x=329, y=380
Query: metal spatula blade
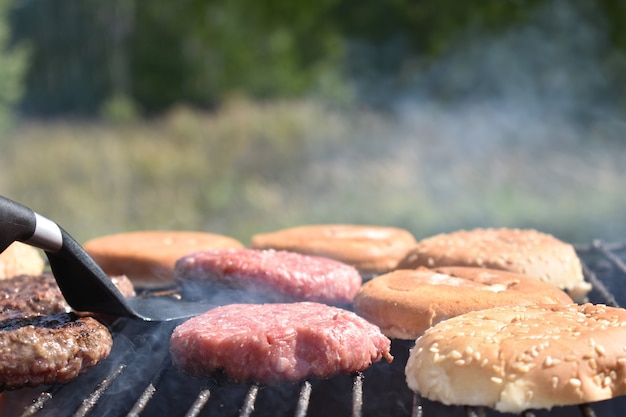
x=85, y=286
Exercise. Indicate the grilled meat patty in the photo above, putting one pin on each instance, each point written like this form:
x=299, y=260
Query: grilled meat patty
x=272, y=343
x=249, y=276
x=49, y=349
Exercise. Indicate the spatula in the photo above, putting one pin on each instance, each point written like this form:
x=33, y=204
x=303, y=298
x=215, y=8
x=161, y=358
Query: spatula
x=85, y=286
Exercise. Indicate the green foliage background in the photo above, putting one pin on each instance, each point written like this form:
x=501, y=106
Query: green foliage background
x=158, y=54
x=12, y=68
x=245, y=116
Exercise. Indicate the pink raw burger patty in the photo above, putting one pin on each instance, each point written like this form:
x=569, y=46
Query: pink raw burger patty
x=272, y=343
x=269, y=275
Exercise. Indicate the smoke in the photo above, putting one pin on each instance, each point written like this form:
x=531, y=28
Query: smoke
x=520, y=129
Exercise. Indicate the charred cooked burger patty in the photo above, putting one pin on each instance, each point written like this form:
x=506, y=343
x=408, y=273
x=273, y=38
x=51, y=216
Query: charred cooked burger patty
x=50, y=349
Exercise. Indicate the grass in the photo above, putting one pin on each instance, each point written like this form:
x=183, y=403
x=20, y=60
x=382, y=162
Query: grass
x=254, y=167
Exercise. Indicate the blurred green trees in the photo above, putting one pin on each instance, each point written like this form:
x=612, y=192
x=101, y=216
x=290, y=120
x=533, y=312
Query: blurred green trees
x=90, y=55
x=12, y=66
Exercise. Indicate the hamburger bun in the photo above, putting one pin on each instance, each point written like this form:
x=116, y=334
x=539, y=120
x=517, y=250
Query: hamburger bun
x=20, y=259
x=148, y=257
x=525, y=357
x=524, y=251
x=372, y=250
x=405, y=303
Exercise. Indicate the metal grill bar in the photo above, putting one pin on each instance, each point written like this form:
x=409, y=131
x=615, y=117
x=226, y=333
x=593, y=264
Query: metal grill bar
x=148, y=393
x=357, y=394
x=199, y=403
x=248, y=405
x=474, y=411
x=416, y=409
x=587, y=411
x=599, y=286
x=142, y=401
x=89, y=402
x=38, y=404
x=303, y=399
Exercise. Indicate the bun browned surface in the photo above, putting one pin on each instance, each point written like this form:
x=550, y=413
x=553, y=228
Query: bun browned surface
x=405, y=303
x=526, y=357
x=20, y=259
x=147, y=258
x=524, y=251
x=370, y=249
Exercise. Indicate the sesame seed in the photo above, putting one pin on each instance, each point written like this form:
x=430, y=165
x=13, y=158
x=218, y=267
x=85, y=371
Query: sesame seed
x=600, y=350
x=497, y=380
x=548, y=362
x=554, y=381
x=521, y=367
x=455, y=354
x=459, y=362
x=575, y=382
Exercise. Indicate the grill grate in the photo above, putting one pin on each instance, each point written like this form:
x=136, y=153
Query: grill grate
x=138, y=380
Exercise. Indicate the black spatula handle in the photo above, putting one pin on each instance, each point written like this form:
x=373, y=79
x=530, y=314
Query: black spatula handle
x=19, y=223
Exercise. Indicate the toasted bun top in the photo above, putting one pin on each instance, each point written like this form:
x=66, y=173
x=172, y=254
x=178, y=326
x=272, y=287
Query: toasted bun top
x=523, y=251
x=20, y=259
x=518, y=358
x=405, y=303
x=370, y=249
x=148, y=257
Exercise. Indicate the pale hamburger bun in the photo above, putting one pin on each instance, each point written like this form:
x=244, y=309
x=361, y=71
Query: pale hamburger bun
x=20, y=259
x=372, y=250
x=148, y=257
x=526, y=357
x=524, y=251
x=405, y=303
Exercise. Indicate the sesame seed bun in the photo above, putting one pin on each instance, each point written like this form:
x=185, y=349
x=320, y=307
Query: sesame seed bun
x=372, y=250
x=147, y=258
x=524, y=251
x=20, y=259
x=405, y=303
x=526, y=357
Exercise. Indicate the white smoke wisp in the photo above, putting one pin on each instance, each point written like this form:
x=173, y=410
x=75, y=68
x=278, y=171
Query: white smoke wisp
x=515, y=130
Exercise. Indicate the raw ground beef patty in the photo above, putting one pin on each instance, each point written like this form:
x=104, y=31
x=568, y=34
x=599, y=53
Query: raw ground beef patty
x=228, y=276
x=272, y=343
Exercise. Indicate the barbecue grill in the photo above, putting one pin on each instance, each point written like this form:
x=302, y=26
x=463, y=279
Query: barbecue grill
x=138, y=379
